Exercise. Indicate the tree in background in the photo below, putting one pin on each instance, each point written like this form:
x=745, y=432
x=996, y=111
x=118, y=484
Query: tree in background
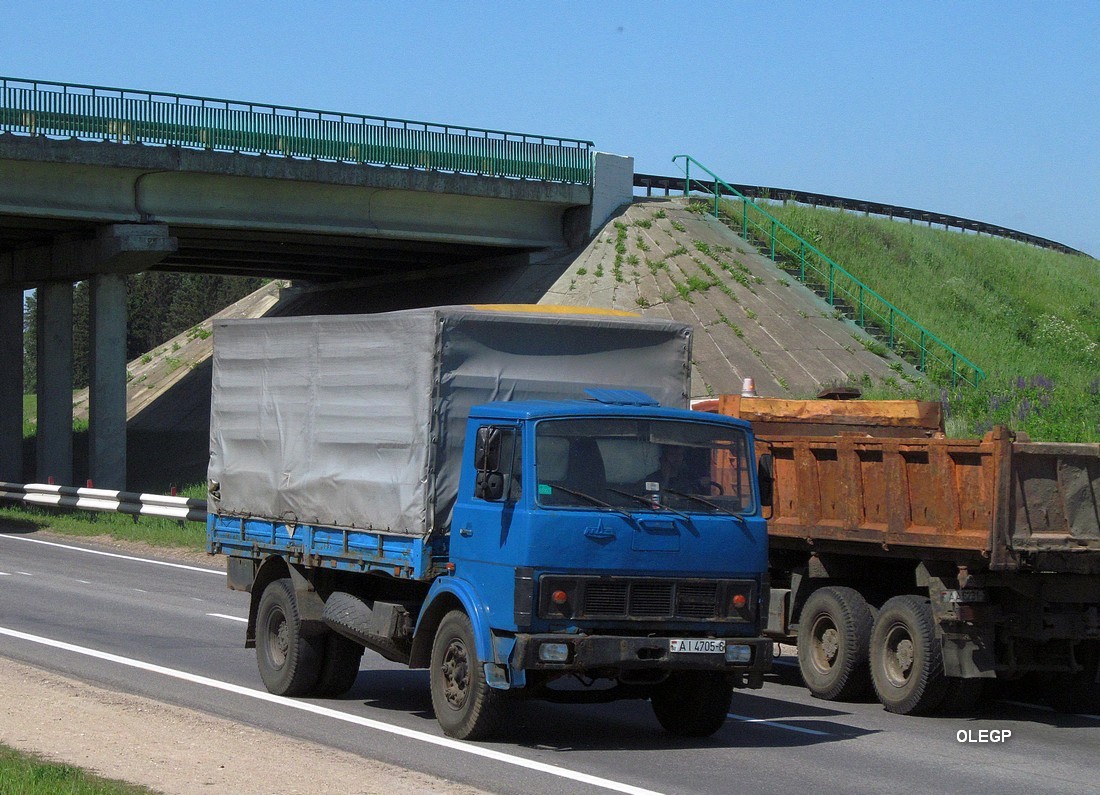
x=159, y=306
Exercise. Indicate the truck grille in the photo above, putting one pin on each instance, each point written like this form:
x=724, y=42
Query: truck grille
x=645, y=598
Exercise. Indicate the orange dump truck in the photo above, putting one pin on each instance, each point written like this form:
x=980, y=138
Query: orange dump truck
x=924, y=566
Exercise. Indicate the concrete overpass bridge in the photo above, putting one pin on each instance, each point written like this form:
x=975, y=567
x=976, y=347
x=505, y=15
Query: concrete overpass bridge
x=96, y=183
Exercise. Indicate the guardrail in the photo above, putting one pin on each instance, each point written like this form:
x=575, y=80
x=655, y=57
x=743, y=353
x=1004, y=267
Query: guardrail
x=653, y=182
x=122, y=115
x=869, y=310
x=134, y=504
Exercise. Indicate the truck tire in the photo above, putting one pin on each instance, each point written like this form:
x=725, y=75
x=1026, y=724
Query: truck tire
x=339, y=666
x=289, y=662
x=465, y=706
x=906, y=658
x=692, y=703
x=834, y=641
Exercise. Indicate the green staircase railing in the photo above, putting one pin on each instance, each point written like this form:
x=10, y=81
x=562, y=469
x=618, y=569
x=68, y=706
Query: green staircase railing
x=38, y=107
x=866, y=308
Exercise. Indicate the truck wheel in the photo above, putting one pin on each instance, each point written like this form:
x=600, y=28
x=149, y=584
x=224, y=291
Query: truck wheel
x=465, y=706
x=906, y=659
x=692, y=703
x=834, y=640
x=340, y=666
x=289, y=662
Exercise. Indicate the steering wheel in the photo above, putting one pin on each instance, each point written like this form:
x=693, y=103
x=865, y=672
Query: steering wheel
x=717, y=486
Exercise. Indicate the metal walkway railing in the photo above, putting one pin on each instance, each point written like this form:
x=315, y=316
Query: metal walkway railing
x=869, y=310
x=39, y=107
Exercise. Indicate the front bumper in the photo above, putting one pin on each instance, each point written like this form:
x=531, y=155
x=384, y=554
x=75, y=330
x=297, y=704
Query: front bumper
x=596, y=654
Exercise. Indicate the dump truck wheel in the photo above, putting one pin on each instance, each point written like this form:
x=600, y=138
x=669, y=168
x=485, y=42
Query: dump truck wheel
x=340, y=666
x=692, y=703
x=465, y=706
x=834, y=640
x=906, y=659
x=289, y=662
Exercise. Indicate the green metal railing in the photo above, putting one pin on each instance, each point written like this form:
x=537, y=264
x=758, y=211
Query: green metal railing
x=866, y=308
x=38, y=107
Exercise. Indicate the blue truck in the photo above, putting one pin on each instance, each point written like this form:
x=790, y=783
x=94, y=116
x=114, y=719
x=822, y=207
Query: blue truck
x=518, y=501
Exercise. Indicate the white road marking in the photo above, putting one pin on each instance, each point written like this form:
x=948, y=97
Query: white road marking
x=84, y=582
x=139, y=590
x=412, y=734
x=231, y=618
x=5, y=574
x=114, y=555
x=778, y=725
x=25, y=573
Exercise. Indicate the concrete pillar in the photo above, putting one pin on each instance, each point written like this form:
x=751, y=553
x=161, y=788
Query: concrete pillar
x=11, y=384
x=107, y=387
x=612, y=187
x=55, y=383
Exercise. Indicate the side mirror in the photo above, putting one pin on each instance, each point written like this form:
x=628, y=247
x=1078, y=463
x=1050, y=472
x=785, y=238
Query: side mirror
x=489, y=486
x=765, y=476
x=490, y=481
x=487, y=451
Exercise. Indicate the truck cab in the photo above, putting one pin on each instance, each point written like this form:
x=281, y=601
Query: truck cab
x=610, y=539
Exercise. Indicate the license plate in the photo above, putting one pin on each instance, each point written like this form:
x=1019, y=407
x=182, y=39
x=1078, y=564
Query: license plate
x=696, y=646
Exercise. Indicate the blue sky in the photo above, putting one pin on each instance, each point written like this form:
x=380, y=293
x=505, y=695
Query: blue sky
x=987, y=110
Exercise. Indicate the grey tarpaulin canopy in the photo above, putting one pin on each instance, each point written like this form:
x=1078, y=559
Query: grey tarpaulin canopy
x=359, y=420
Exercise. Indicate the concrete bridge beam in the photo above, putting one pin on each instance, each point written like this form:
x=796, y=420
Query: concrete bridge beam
x=11, y=384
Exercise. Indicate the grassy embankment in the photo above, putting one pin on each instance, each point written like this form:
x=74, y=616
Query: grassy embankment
x=1029, y=317
x=23, y=774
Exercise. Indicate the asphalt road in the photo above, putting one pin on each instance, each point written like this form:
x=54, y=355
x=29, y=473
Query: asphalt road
x=175, y=633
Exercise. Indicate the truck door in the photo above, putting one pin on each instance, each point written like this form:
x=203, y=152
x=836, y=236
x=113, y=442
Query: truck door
x=486, y=509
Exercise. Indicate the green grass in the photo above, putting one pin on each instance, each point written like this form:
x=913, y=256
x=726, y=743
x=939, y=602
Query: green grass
x=30, y=412
x=1029, y=317
x=25, y=774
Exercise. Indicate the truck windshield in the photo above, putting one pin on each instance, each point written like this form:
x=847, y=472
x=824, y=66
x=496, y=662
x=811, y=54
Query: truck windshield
x=629, y=464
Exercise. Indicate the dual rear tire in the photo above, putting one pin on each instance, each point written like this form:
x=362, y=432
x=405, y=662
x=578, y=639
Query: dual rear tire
x=845, y=649
x=293, y=663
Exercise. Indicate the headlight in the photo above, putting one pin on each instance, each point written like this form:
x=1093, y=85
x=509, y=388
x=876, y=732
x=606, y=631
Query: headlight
x=554, y=652
x=738, y=654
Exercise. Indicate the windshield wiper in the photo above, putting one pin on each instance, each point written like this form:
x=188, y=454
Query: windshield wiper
x=595, y=500
x=650, y=503
x=704, y=501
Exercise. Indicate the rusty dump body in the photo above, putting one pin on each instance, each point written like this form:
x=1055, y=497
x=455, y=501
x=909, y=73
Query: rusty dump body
x=880, y=477
x=916, y=564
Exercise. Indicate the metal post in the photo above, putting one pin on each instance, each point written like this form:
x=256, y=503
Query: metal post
x=802, y=258
x=891, y=327
x=832, y=282
x=861, y=321
x=773, y=240
x=922, y=351
x=954, y=376
x=744, y=217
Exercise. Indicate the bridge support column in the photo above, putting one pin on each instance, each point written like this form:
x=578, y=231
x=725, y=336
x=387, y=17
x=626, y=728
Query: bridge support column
x=54, y=446
x=107, y=387
x=11, y=384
